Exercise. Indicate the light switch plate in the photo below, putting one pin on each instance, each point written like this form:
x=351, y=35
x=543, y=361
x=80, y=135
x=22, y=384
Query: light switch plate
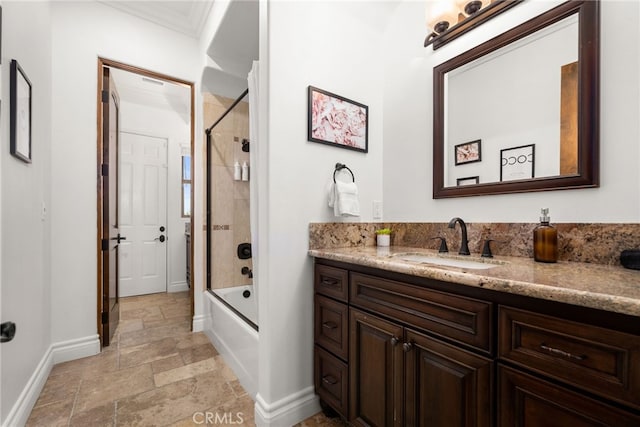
x=377, y=209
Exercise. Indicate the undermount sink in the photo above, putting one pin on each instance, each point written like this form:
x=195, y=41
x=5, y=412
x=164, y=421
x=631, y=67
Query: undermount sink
x=445, y=261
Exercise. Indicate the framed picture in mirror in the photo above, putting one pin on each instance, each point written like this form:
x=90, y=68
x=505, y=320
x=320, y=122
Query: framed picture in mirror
x=517, y=163
x=470, y=180
x=469, y=152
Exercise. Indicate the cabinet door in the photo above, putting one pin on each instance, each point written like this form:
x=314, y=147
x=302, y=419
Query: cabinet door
x=445, y=385
x=375, y=371
x=527, y=401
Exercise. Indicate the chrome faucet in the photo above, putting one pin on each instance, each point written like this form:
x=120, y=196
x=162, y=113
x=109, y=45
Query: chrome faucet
x=464, y=242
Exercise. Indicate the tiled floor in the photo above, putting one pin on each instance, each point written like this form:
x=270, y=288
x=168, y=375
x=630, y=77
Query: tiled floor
x=155, y=373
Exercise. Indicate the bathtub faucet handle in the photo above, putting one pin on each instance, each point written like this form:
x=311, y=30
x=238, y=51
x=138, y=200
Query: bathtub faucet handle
x=247, y=271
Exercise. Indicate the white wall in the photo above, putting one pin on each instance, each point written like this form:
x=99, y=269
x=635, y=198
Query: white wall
x=163, y=123
x=83, y=31
x=334, y=46
x=408, y=117
x=26, y=239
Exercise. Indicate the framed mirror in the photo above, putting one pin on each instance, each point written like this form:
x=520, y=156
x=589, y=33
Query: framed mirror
x=527, y=101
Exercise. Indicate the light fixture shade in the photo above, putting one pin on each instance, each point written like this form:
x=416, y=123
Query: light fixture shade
x=441, y=14
x=469, y=7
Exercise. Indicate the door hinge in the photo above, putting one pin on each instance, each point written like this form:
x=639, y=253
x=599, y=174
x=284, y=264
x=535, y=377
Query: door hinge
x=105, y=244
x=105, y=317
x=105, y=169
x=105, y=96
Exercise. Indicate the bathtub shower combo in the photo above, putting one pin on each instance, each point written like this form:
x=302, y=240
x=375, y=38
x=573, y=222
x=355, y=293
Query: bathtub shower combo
x=232, y=328
x=231, y=299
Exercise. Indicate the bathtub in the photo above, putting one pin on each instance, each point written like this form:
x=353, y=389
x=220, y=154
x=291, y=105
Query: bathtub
x=234, y=332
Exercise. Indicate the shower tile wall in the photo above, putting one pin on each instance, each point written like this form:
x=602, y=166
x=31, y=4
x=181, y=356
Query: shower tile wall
x=230, y=199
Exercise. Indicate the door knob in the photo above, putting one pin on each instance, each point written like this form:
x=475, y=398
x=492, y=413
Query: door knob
x=161, y=238
x=162, y=228
x=7, y=331
x=119, y=238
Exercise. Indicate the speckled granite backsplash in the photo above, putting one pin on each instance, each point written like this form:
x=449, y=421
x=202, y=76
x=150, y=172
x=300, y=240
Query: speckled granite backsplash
x=594, y=243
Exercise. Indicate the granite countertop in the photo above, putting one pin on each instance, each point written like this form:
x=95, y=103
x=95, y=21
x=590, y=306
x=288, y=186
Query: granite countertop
x=610, y=288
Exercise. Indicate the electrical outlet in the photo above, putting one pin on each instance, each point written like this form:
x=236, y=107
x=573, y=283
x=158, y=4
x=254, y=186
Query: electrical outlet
x=377, y=209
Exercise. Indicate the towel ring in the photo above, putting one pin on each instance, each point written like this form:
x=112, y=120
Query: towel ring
x=339, y=167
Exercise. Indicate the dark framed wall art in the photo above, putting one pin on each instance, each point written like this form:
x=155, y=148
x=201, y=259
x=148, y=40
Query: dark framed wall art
x=336, y=120
x=469, y=152
x=470, y=180
x=517, y=162
x=20, y=113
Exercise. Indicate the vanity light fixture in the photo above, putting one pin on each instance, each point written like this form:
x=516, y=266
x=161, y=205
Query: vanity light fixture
x=448, y=19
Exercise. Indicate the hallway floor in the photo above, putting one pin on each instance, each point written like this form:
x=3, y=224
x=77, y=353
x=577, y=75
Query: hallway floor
x=155, y=373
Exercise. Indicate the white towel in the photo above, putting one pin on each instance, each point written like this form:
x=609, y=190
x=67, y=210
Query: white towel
x=343, y=198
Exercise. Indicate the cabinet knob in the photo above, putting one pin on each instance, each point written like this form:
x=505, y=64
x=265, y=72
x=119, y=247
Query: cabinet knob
x=394, y=341
x=407, y=347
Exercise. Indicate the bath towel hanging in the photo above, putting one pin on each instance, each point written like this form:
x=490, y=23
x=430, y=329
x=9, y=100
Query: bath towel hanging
x=343, y=196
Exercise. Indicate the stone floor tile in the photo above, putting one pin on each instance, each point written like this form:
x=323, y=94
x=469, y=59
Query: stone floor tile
x=153, y=334
x=155, y=372
x=60, y=387
x=52, y=415
x=167, y=363
x=112, y=386
x=197, y=353
x=186, y=371
x=148, y=352
x=100, y=416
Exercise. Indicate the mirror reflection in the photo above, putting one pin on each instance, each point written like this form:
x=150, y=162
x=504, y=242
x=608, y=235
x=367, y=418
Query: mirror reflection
x=520, y=112
x=520, y=120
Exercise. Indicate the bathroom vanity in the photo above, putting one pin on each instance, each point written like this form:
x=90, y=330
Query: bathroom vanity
x=399, y=342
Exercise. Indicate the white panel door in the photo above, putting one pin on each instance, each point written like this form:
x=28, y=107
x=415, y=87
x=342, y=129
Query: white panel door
x=143, y=214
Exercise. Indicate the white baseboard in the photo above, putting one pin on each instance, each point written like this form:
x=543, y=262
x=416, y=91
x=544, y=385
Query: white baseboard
x=56, y=353
x=199, y=322
x=26, y=401
x=75, y=349
x=287, y=411
x=177, y=287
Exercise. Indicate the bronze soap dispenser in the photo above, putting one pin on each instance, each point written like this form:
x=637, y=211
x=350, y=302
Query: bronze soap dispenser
x=545, y=240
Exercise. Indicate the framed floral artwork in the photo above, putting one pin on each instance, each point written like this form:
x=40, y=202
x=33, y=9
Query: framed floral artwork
x=336, y=120
x=469, y=152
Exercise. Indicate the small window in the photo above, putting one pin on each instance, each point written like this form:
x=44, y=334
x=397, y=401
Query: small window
x=186, y=186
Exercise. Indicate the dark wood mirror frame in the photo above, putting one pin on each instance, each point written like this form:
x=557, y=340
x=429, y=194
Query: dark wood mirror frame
x=588, y=105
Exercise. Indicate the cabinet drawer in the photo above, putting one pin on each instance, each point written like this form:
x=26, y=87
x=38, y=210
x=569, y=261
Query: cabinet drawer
x=603, y=361
x=464, y=320
x=331, y=380
x=332, y=282
x=524, y=400
x=331, y=326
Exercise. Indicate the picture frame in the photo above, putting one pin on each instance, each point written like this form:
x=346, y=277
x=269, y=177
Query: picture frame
x=468, y=152
x=20, y=113
x=336, y=120
x=517, y=162
x=470, y=180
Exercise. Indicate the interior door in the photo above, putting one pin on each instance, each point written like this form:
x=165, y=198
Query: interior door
x=143, y=214
x=111, y=237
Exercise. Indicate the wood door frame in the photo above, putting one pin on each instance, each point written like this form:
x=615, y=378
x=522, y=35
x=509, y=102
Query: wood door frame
x=103, y=62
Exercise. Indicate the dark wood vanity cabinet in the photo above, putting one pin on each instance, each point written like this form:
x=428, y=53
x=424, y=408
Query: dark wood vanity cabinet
x=396, y=350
